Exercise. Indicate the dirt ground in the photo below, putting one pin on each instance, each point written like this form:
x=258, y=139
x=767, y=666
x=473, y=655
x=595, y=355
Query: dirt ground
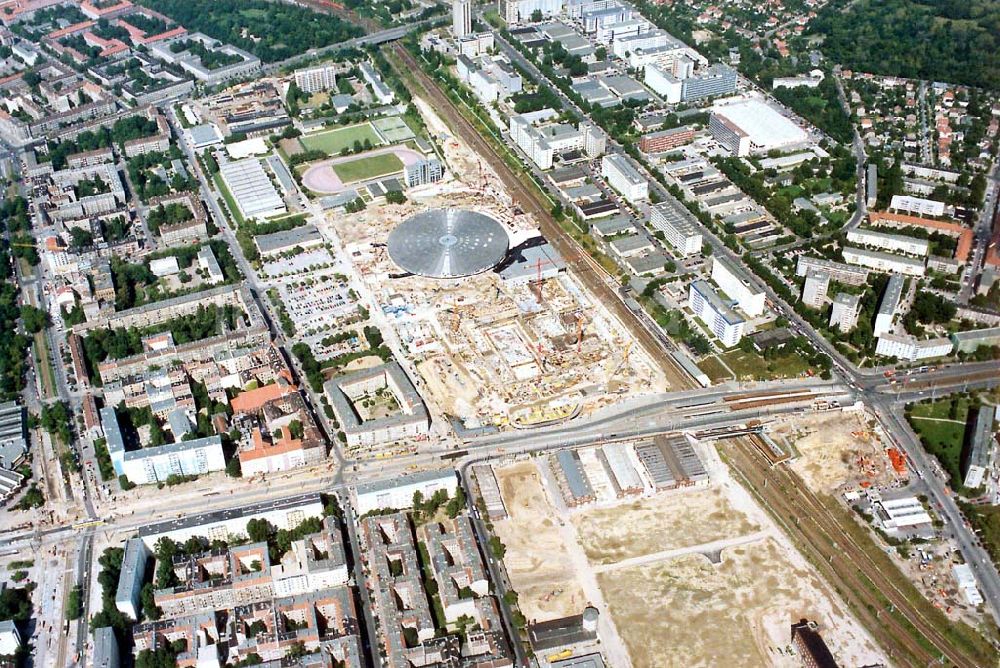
x=688, y=612
x=838, y=450
x=662, y=522
x=537, y=561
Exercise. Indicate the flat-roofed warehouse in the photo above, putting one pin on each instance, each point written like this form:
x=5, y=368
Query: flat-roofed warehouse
x=765, y=128
x=670, y=461
x=252, y=189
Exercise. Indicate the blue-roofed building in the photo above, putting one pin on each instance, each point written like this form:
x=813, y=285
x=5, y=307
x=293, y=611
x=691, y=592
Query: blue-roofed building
x=577, y=485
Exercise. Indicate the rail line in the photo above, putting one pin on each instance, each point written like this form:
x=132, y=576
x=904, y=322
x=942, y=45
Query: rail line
x=842, y=560
x=576, y=257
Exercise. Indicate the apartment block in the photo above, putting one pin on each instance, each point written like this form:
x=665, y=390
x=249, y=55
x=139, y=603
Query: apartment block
x=721, y=319
x=623, y=176
x=732, y=280
x=845, y=311
x=679, y=227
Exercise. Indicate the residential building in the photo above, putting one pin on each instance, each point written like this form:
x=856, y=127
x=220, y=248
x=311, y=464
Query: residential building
x=871, y=185
x=733, y=281
x=316, y=79
x=396, y=584
x=889, y=242
x=10, y=638
x=907, y=347
x=810, y=647
x=106, y=648
x=131, y=577
x=978, y=459
x=722, y=320
x=917, y=206
x=845, y=312
x=397, y=493
x=456, y=565
x=156, y=464
x=889, y=304
x=968, y=342
x=623, y=176
x=520, y=11
x=192, y=63
x=814, y=289
x=461, y=17
x=410, y=420
x=884, y=262
x=382, y=92
x=839, y=272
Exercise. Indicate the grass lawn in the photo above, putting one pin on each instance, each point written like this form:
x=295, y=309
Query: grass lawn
x=788, y=365
x=332, y=141
x=713, y=369
x=368, y=168
x=228, y=196
x=941, y=435
x=45, y=365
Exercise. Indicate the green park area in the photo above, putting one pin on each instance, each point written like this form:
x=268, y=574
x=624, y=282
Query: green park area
x=332, y=142
x=941, y=428
x=368, y=168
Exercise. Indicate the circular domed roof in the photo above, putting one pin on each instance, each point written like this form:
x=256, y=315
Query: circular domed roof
x=448, y=243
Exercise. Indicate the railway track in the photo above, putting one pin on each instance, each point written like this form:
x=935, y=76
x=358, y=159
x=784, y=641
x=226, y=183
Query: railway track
x=585, y=268
x=909, y=633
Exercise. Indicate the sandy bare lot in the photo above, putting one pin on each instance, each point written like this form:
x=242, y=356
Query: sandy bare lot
x=662, y=522
x=536, y=558
x=687, y=612
x=837, y=450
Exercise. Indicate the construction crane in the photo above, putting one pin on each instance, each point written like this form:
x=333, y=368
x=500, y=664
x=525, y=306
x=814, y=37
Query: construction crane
x=536, y=285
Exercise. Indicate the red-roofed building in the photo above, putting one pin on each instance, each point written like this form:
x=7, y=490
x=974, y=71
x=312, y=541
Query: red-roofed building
x=93, y=11
x=252, y=401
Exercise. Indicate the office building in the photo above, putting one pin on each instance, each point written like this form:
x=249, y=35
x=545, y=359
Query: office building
x=623, y=176
x=316, y=79
x=814, y=289
x=731, y=136
x=423, y=172
x=884, y=262
x=909, y=348
x=722, y=320
x=887, y=307
x=461, y=17
x=666, y=140
x=845, y=311
x=734, y=282
x=889, y=242
x=713, y=81
x=977, y=463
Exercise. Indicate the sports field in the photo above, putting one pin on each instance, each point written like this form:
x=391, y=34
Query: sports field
x=368, y=168
x=332, y=142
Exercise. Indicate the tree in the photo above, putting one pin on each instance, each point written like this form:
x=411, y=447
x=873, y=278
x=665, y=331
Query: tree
x=80, y=238
x=259, y=530
x=150, y=610
x=35, y=319
x=233, y=468
x=536, y=16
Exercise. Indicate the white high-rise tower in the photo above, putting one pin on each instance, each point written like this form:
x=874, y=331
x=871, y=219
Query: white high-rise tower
x=461, y=17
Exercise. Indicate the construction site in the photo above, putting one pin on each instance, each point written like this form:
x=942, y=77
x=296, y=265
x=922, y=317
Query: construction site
x=698, y=573
x=519, y=341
